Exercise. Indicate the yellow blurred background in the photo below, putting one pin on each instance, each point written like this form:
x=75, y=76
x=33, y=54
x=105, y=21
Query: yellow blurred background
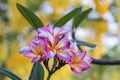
x=101, y=27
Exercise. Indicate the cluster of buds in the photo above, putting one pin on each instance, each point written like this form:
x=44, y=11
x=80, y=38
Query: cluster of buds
x=54, y=43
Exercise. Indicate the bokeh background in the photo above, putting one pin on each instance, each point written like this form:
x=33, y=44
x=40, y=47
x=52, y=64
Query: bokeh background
x=101, y=27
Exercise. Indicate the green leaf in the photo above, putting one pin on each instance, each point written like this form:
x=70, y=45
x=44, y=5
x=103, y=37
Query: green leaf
x=9, y=74
x=82, y=43
x=34, y=5
x=38, y=72
x=67, y=17
x=30, y=16
x=79, y=17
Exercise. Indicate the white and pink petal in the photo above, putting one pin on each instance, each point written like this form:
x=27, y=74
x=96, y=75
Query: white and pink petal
x=64, y=55
x=63, y=31
x=29, y=54
x=56, y=31
x=84, y=66
x=35, y=59
x=50, y=53
x=24, y=49
x=87, y=59
x=63, y=44
x=76, y=70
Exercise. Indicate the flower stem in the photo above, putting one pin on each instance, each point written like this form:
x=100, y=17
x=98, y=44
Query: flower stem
x=57, y=64
x=49, y=76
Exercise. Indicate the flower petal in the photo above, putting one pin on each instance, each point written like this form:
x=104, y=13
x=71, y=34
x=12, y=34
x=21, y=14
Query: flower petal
x=83, y=56
x=49, y=28
x=29, y=54
x=84, y=66
x=50, y=54
x=51, y=38
x=76, y=70
x=64, y=55
x=79, y=62
x=56, y=31
x=35, y=59
x=87, y=59
x=63, y=44
x=33, y=46
x=42, y=34
x=63, y=31
x=74, y=47
x=38, y=46
x=79, y=67
x=60, y=31
x=24, y=49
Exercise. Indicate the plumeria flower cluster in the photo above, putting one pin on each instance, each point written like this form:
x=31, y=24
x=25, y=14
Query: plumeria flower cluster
x=54, y=42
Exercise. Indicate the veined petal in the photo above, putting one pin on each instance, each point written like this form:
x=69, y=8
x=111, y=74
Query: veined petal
x=51, y=38
x=74, y=47
x=78, y=62
x=38, y=47
x=87, y=59
x=47, y=35
x=60, y=33
x=63, y=44
x=84, y=66
x=81, y=55
x=35, y=59
x=43, y=44
x=75, y=67
x=56, y=31
x=50, y=53
x=33, y=47
x=63, y=31
x=29, y=54
x=24, y=49
x=49, y=28
x=43, y=34
x=64, y=55
x=76, y=70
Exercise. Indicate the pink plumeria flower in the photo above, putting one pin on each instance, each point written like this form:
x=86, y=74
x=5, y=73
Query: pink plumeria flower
x=57, y=41
x=56, y=32
x=52, y=34
x=60, y=49
x=80, y=62
x=36, y=50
